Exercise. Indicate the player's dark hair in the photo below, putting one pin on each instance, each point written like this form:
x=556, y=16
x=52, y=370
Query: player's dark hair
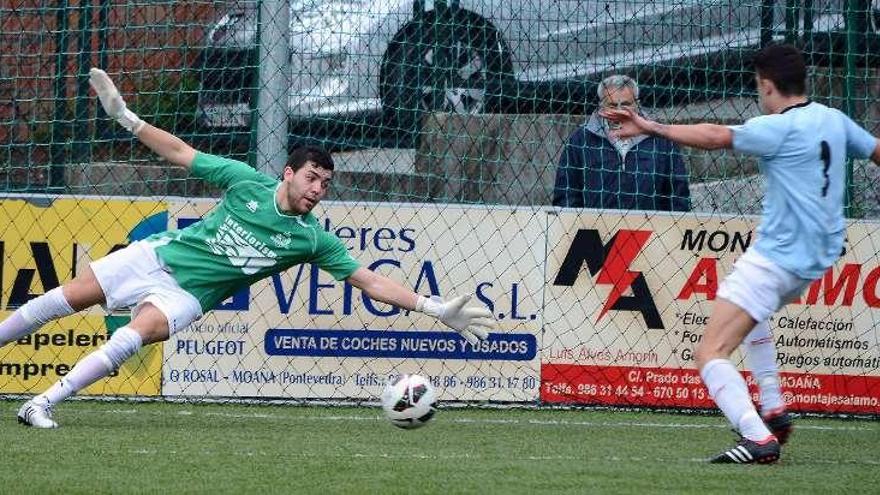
x=319, y=156
x=784, y=65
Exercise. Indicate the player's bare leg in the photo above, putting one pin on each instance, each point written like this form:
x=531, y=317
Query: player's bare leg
x=84, y=291
x=728, y=326
x=149, y=326
x=80, y=293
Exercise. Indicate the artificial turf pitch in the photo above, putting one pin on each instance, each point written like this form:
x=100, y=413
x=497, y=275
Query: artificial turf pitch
x=124, y=447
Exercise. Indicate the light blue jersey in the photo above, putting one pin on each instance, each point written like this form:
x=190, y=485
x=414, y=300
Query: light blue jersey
x=803, y=154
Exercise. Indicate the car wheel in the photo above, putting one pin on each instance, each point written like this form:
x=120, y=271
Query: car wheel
x=456, y=65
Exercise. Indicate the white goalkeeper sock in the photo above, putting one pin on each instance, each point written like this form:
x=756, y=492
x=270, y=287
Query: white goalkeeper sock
x=728, y=389
x=760, y=354
x=124, y=344
x=34, y=314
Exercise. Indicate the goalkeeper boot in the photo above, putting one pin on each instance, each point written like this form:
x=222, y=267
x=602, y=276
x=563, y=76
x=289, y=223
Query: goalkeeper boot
x=35, y=414
x=750, y=452
x=780, y=424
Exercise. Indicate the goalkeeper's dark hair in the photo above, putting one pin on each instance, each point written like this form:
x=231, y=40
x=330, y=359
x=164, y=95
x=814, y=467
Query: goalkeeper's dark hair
x=784, y=65
x=317, y=155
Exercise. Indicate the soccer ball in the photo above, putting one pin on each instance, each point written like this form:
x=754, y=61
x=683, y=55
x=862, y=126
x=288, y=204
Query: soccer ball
x=409, y=401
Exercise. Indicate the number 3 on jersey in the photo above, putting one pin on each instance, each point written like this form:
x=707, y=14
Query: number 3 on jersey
x=825, y=155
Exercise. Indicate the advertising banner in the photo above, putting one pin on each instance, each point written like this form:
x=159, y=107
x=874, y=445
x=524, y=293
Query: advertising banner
x=45, y=242
x=301, y=334
x=628, y=298
x=593, y=308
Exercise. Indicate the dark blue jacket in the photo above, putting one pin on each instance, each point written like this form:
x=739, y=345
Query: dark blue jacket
x=593, y=174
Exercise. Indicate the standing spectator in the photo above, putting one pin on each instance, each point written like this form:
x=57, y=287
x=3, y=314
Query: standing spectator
x=597, y=170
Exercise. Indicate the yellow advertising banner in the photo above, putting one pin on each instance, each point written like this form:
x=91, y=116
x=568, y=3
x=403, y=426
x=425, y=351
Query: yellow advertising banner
x=44, y=242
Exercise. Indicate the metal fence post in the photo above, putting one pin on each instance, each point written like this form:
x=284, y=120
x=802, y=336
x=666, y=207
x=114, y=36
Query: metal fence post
x=792, y=15
x=852, y=6
x=101, y=123
x=57, y=147
x=81, y=149
x=766, y=22
x=271, y=115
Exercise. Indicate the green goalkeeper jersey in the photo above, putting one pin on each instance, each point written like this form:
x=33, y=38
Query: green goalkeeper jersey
x=245, y=237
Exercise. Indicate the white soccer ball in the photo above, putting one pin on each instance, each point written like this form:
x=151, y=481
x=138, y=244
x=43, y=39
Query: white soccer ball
x=409, y=401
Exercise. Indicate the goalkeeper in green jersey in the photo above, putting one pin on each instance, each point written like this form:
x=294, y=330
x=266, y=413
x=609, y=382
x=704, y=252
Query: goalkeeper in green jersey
x=261, y=227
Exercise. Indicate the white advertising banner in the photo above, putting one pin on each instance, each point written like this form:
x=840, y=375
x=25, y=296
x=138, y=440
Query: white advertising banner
x=301, y=334
x=628, y=298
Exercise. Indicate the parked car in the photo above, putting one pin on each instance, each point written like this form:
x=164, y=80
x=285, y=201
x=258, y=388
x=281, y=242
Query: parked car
x=394, y=60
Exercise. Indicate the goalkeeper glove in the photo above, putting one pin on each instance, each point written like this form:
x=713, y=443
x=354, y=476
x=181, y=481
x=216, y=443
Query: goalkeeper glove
x=112, y=101
x=472, y=323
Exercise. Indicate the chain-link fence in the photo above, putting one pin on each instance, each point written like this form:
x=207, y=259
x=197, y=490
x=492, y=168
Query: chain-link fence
x=449, y=120
x=411, y=92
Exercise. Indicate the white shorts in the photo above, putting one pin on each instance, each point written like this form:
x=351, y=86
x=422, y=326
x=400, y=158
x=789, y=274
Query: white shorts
x=759, y=286
x=133, y=276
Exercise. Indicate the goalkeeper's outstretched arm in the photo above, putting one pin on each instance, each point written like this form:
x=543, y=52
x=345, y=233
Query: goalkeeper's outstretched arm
x=167, y=145
x=163, y=143
x=472, y=322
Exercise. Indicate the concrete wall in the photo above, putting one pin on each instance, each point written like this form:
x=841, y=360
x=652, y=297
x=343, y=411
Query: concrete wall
x=133, y=179
x=511, y=159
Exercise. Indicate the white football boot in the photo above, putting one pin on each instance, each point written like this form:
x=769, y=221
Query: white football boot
x=36, y=415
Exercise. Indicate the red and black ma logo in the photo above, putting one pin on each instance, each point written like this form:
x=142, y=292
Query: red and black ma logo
x=612, y=262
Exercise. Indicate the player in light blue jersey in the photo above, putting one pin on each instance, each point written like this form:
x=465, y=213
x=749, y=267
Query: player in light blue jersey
x=803, y=148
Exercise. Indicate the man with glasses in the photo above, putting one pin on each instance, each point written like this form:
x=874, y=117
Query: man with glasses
x=598, y=170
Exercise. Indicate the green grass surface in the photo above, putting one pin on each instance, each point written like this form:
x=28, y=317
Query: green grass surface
x=186, y=448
